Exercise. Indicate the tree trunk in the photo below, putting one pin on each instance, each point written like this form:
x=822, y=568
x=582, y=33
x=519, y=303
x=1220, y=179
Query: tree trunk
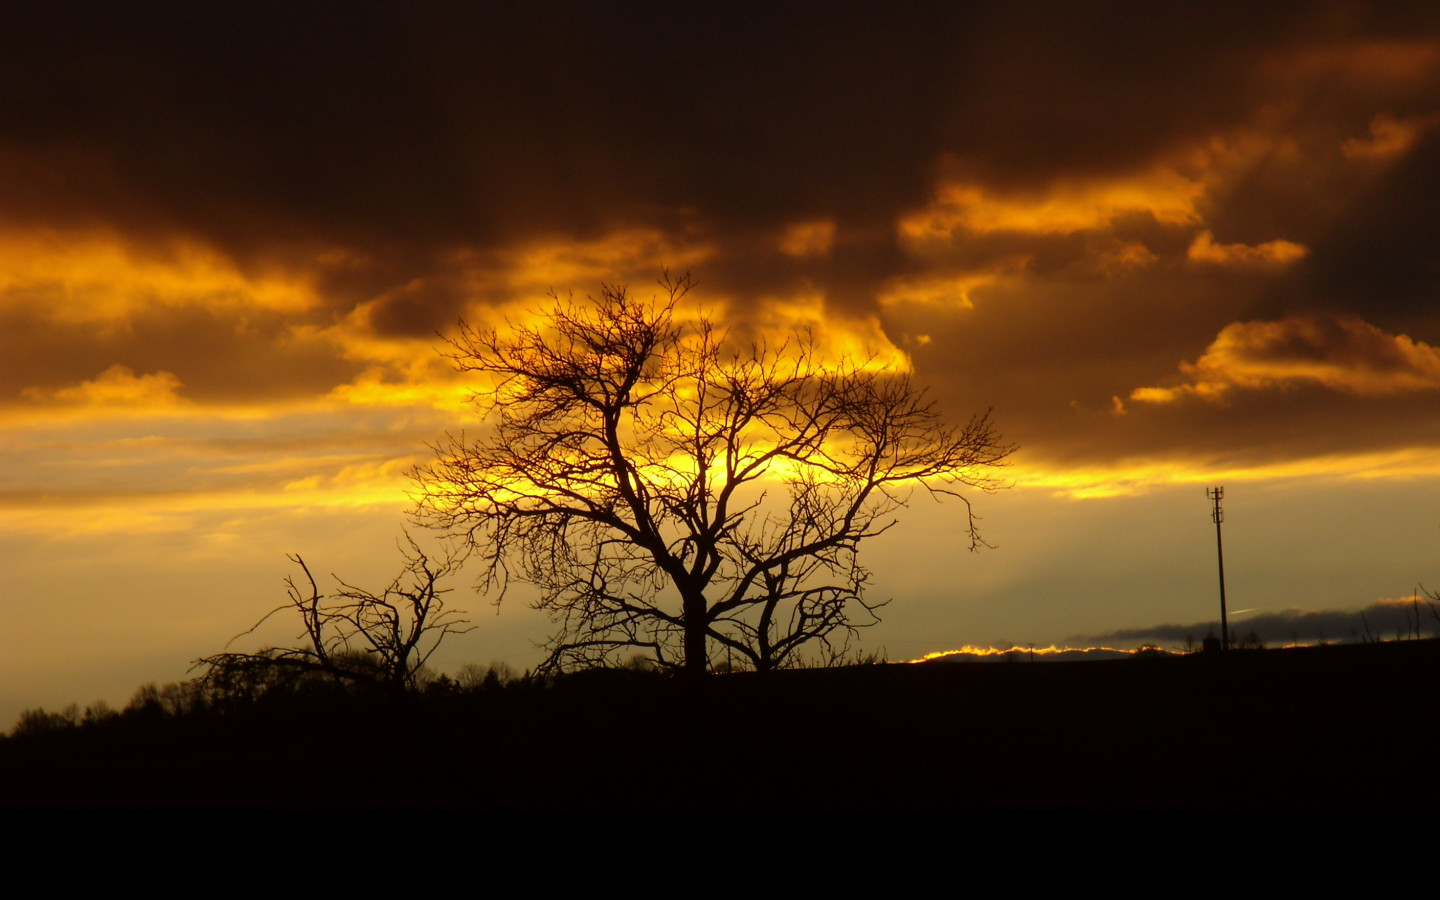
x=697, y=662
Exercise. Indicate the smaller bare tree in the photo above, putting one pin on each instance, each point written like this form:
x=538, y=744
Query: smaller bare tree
x=381, y=640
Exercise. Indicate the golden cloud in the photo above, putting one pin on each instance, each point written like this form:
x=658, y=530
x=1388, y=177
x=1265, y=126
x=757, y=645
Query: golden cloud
x=419, y=385
x=512, y=285
x=1271, y=253
x=813, y=238
x=1389, y=137
x=1123, y=255
x=860, y=339
x=1343, y=354
x=98, y=278
x=945, y=291
x=116, y=386
x=527, y=273
x=1175, y=189
x=1062, y=208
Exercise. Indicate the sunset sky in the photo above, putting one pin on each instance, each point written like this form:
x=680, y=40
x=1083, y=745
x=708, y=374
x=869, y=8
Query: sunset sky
x=1170, y=249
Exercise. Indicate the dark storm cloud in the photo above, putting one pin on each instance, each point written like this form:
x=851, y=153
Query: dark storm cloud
x=1271, y=428
x=1383, y=257
x=383, y=126
x=1051, y=355
x=1061, y=363
x=388, y=154
x=402, y=134
x=419, y=309
x=365, y=124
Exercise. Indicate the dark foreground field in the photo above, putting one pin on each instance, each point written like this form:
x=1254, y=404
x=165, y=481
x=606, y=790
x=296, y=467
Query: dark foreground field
x=1333, y=726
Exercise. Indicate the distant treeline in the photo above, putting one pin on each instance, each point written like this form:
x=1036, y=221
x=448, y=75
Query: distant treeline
x=1412, y=618
x=259, y=692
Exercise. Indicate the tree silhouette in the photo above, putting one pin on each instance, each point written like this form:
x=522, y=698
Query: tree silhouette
x=351, y=634
x=631, y=468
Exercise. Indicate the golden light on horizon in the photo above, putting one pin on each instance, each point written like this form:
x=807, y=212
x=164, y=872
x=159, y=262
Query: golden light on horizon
x=987, y=651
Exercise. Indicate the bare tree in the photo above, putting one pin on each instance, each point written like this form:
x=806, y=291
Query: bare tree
x=630, y=467
x=353, y=635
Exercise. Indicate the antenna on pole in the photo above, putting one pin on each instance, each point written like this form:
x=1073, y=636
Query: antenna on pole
x=1218, y=515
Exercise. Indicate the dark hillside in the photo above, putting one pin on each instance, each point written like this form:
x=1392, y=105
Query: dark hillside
x=1321, y=726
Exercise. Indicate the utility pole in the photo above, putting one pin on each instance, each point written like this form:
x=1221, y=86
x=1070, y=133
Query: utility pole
x=1218, y=515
